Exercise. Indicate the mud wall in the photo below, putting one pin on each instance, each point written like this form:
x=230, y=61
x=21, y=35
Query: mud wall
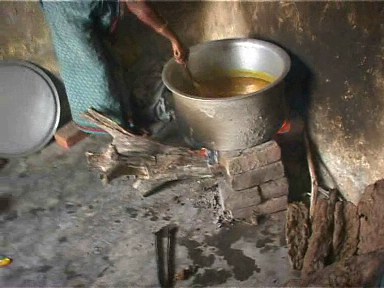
x=336, y=80
x=24, y=34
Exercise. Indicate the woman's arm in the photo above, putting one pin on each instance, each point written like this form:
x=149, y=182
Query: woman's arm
x=147, y=15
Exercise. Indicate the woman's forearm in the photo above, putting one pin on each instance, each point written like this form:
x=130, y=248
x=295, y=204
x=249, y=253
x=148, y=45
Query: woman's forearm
x=149, y=16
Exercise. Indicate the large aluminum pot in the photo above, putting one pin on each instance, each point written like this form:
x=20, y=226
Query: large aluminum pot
x=229, y=123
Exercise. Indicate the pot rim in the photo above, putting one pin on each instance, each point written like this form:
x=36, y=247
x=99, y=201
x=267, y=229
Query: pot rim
x=280, y=51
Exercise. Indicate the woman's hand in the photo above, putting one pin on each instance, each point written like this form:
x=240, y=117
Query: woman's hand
x=147, y=15
x=179, y=52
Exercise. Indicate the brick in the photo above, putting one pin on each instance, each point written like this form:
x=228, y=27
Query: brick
x=256, y=177
x=251, y=158
x=69, y=135
x=243, y=213
x=271, y=206
x=231, y=199
x=274, y=188
x=247, y=214
x=280, y=216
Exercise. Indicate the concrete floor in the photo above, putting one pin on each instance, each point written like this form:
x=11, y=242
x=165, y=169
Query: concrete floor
x=62, y=227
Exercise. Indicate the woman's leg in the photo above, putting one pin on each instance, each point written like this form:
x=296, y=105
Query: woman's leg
x=83, y=60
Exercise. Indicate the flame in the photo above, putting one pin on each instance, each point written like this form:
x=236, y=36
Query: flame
x=203, y=153
x=285, y=128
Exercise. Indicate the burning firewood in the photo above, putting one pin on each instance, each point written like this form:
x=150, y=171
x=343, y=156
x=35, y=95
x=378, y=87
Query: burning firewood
x=144, y=158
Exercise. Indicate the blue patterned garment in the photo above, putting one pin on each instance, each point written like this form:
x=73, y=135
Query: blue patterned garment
x=86, y=65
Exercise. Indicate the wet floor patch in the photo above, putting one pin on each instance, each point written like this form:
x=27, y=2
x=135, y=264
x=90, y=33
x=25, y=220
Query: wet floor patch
x=260, y=243
x=211, y=277
x=132, y=212
x=37, y=211
x=63, y=239
x=71, y=208
x=12, y=215
x=44, y=268
x=151, y=214
x=5, y=203
x=243, y=266
x=195, y=253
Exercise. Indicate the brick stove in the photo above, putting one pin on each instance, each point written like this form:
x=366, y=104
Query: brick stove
x=255, y=183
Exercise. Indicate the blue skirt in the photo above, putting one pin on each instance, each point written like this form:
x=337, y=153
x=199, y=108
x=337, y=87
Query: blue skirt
x=91, y=76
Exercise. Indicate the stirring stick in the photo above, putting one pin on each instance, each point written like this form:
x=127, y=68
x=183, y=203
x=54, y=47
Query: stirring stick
x=194, y=82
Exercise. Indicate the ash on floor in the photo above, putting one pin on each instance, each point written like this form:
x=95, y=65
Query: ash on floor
x=62, y=227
